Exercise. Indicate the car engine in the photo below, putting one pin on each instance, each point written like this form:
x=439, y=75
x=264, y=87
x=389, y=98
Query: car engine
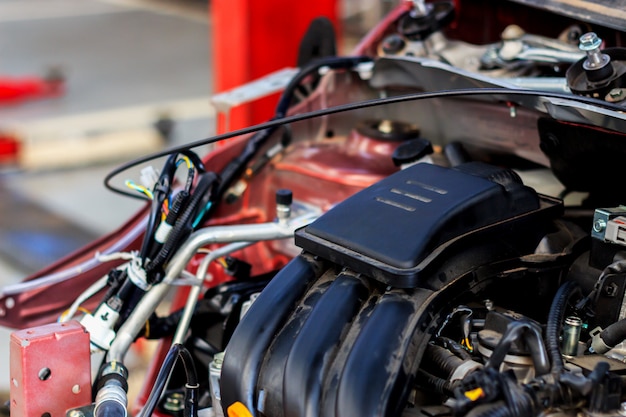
x=382, y=247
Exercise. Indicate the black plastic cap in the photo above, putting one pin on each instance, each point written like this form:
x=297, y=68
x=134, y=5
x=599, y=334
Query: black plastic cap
x=411, y=151
x=393, y=44
x=284, y=197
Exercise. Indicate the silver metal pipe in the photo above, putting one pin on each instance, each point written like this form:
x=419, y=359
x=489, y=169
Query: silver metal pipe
x=194, y=292
x=220, y=234
x=556, y=84
x=549, y=55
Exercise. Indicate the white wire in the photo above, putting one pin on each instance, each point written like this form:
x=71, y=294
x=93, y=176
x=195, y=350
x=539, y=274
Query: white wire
x=84, y=296
x=74, y=271
x=99, y=284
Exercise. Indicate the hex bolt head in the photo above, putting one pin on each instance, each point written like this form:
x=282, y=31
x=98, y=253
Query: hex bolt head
x=589, y=41
x=596, y=60
x=599, y=225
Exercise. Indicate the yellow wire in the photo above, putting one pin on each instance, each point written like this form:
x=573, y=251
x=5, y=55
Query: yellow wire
x=222, y=262
x=164, y=212
x=82, y=309
x=130, y=184
x=466, y=342
x=187, y=161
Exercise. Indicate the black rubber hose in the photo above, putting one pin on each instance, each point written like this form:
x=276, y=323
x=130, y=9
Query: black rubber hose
x=456, y=154
x=554, y=324
x=532, y=338
x=441, y=359
x=614, y=334
x=177, y=351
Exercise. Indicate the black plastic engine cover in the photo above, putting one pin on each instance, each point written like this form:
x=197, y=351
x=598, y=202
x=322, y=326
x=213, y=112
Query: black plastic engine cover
x=325, y=339
x=387, y=230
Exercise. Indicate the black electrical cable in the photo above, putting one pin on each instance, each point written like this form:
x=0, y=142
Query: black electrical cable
x=177, y=351
x=454, y=347
x=237, y=165
x=435, y=383
x=505, y=95
x=161, y=192
x=198, y=201
x=555, y=321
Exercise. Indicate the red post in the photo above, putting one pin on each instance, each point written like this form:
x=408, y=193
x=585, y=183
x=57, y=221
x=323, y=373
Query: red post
x=252, y=38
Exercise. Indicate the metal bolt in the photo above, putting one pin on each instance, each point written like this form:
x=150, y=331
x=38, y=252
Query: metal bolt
x=218, y=360
x=599, y=225
x=615, y=95
x=174, y=402
x=75, y=413
x=489, y=305
x=590, y=43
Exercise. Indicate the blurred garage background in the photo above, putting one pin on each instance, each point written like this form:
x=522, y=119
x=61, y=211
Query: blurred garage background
x=86, y=85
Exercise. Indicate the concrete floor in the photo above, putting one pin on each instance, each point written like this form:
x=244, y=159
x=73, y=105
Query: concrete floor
x=118, y=57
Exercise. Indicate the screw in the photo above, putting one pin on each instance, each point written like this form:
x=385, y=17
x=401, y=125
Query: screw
x=75, y=413
x=616, y=92
x=599, y=225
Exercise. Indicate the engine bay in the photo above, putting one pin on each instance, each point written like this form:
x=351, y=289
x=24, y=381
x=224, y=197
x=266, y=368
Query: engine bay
x=375, y=249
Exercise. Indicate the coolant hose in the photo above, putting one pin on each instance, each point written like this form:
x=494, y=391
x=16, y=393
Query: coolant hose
x=553, y=327
x=534, y=341
x=614, y=334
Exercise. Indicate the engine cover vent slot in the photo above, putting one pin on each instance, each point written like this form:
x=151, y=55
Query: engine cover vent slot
x=388, y=229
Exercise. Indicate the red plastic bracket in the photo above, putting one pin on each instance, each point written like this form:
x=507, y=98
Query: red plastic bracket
x=50, y=370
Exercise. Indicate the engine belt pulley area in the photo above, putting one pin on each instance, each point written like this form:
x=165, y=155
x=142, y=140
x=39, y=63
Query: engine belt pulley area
x=395, y=229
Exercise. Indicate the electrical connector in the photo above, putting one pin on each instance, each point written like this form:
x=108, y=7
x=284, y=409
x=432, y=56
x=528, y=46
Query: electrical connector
x=148, y=177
